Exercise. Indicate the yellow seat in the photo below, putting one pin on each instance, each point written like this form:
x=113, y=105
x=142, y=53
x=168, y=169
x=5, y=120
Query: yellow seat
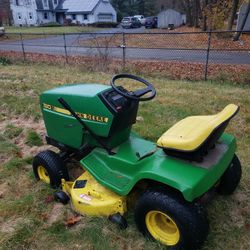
x=190, y=133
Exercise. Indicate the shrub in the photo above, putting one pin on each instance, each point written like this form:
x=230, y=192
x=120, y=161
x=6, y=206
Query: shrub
x=105, y=24
x=5, y=61
x=50, y=25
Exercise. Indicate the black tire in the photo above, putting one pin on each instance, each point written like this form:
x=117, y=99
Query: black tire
x=231, y=178
x=189, y=219
x=53, y=166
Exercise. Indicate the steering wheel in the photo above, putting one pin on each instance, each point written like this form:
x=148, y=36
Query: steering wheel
x=137, y=94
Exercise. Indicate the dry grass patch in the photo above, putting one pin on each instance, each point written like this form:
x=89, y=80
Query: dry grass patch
x=174, y=70
x=181, y=38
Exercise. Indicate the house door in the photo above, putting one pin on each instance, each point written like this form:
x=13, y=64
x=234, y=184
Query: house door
x=60, y=17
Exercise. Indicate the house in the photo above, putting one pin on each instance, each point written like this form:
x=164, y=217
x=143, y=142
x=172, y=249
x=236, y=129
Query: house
x=37, y=12
x=170, y=17
x=85, y=11
x=241, y=15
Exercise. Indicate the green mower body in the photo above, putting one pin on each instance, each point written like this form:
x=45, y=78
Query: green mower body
x=171, y=179
x=133, y=159
x=138, y=159
x=109, y=119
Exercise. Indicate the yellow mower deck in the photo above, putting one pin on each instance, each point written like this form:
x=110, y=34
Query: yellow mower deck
x=88, y=197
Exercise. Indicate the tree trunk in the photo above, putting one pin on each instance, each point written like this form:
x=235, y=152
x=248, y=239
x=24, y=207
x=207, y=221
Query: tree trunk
x=204, y=16
x=189, y=14
x=239, y=31
x=232, y=15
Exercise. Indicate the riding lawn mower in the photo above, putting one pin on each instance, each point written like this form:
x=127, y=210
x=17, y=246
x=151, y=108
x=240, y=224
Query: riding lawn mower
x=173, y=179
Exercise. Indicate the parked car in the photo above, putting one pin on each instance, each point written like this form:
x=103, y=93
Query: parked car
x=151, y=22
x=130, y=22
x=141, y=18
x=2, y=31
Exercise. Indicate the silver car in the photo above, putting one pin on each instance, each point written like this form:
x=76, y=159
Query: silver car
x=130, y=22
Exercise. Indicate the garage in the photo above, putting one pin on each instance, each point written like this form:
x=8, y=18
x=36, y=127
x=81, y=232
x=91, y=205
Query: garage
x=105, y=17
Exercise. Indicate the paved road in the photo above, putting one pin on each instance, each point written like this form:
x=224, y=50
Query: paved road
x=55, y=45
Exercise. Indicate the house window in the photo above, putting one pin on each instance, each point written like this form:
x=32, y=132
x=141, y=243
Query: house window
x=45, y=3
x=55, y=1
x=45, y=15
x=30, y=16
x=85, y=17
x=19, y=16
x=74, y=17
x=19, y=2
x=28, y=2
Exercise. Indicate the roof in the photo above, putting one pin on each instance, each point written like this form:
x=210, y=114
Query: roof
x=77, y=5
x=170, y=10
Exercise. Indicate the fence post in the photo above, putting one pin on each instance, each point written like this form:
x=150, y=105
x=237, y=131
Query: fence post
x=24, y=56
x=123, y=50
x=208, y=52
x=65, y=48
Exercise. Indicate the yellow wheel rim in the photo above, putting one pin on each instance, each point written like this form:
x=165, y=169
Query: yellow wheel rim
x=162, y=228
x=43, y=174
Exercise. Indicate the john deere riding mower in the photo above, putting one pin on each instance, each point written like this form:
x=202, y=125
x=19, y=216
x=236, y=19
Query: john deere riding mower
x=172, y=178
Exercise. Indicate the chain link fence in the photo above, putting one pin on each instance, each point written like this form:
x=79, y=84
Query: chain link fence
x=186, y=55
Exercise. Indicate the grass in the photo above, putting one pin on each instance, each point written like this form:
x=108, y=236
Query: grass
x=12, y=131
x=24, y=211
x=13, y=33
x=33, y=139
x=51, y=30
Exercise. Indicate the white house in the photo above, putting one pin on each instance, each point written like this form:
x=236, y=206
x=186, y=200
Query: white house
x=86, y=11
x=24, y=12
x=170, y=17
x=37, y=12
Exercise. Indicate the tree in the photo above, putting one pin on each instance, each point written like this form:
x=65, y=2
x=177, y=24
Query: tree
x=120, y=7
x=133, y=7
x=5, y=12
x=240, y=29
x=232, y=14
x=149, y=8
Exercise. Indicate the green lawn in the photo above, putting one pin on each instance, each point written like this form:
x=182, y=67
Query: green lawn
x=28, y=220
x=51, y=30
x=13, y=33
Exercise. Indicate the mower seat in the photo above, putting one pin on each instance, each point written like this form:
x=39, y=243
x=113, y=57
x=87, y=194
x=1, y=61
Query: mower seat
x=196, y=133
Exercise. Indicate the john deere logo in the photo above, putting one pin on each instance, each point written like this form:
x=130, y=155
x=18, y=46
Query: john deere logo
x=81, y=115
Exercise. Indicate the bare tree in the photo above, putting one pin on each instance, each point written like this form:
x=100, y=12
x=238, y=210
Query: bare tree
x=232, y=15
x=5, y=12
x=241, y=27
x=103, y=45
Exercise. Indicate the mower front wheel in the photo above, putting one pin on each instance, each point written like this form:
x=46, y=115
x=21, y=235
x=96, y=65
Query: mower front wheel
x=49, y=168
x=166, y=217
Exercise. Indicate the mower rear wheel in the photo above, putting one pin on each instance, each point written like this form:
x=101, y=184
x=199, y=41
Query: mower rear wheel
x=49, y=168
x=231, y=178
x=166, y=217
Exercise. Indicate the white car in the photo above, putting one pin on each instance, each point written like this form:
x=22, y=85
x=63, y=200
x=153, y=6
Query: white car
x=141, y=18
x=2, y=31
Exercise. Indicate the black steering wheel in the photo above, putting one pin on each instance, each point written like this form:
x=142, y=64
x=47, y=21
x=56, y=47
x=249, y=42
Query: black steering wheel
x=137, y=94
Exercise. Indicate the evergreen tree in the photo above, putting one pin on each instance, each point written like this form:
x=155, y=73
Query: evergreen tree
x=133, y=7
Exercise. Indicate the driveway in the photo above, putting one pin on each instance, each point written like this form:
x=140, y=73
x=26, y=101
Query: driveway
x=54, y=44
